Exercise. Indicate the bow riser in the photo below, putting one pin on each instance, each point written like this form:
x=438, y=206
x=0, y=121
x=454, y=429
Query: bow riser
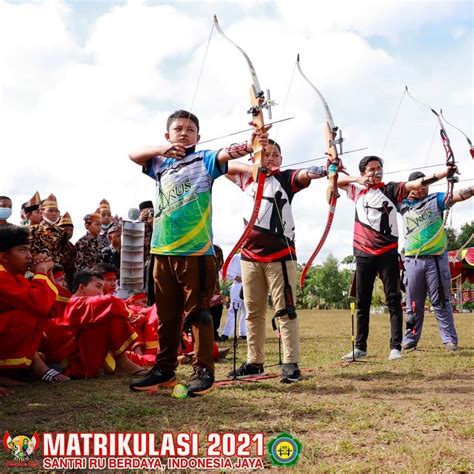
x=258, y=103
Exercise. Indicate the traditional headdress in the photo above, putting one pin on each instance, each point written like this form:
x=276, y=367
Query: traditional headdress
x=33, y=203
x=50, y=202
x=65, y=220
x=104, y=205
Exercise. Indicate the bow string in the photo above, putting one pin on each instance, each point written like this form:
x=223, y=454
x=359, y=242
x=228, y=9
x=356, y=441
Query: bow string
x=334, y=139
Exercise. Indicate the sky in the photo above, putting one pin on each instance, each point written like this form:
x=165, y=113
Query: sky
x=84, y=83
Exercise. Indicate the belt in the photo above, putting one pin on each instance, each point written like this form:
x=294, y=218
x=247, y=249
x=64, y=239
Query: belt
x=424, y=256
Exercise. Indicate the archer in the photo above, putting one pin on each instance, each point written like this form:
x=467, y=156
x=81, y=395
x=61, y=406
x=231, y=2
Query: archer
x=184, y=262
x=375, y=249
x=268, y=260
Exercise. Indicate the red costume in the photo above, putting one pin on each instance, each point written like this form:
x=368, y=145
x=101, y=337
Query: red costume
x=145, y=323
x=24, y=307
x=91, y=332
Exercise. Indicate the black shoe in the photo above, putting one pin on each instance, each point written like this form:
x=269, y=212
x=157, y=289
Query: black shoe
x=290, y=373
x=247, y=370
x=201, y=382
x=153, y=380
x=243, y=338
x=224, y=338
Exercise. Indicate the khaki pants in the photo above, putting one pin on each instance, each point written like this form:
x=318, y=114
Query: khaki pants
x=258, y=279
x=184, y=290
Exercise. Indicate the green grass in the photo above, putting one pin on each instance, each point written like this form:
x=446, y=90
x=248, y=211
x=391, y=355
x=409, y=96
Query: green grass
x=411, y=415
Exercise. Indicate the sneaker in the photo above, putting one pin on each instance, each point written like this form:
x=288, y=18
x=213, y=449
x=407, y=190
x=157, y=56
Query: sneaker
x=358, y=354
x=395, y=354
x=247, y=370
x=451, y=346
x=290, y=373
x=201, y=382
x=409, y=346
x=153, y=380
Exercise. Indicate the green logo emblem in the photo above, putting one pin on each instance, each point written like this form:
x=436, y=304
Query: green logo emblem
x=284, y=450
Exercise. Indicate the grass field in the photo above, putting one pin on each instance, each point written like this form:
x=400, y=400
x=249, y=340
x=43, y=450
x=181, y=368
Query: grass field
x=411, y=415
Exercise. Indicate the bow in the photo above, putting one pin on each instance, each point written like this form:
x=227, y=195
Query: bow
x=450, y=162
x=471, y=146
x=335, y=165
x=258, y=103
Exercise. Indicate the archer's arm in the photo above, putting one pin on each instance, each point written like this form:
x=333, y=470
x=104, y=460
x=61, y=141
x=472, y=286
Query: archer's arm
x=232, y=152
x=305, y=175
x=237, y=167
x=243, y=149
x=463, y=194
x=141, y=156
x=344, y=181
x=426, y=181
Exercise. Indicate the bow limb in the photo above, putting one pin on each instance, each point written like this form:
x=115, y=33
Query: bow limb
x=471, y=146
x=451, y=179
x=332, y=142
x=258, y=103
x=332, y=211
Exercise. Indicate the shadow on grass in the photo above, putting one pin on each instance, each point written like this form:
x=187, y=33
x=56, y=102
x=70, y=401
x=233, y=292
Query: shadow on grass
x=381, y=375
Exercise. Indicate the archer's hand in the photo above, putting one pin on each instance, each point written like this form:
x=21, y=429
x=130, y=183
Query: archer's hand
x=452, y=170
x=177, y=151
x=261, y=134
x=365, y=180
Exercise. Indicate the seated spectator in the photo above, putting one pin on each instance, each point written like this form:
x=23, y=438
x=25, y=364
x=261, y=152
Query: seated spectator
x=93, y=333
x=24, y=306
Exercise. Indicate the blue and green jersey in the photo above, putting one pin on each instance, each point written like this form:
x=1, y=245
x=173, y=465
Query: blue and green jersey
x=182, y=220
x=422, y=225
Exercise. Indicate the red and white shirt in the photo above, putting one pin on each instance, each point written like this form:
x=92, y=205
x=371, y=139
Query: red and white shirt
x=272, y=237
x=375, y=225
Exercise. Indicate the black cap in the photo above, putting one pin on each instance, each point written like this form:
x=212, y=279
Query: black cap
x=145, y=205
x=415, y=175
x=13, y=236
x=32, y=208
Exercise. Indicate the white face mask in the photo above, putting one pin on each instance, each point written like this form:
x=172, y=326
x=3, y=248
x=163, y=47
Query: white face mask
x=50, y=222
x=5, y=213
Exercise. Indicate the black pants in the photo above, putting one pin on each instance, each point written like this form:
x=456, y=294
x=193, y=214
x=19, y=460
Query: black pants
x=367, y=268
x=216, y=313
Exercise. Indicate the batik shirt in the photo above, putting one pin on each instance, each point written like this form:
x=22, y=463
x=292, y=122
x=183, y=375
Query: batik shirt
x=423, y=224
x=182, y=220
x=375, y=225
x=104, y=236
x=87, y=252
x=147, y=238
x=50, y=239
x=69, y=260
x=111, y=256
